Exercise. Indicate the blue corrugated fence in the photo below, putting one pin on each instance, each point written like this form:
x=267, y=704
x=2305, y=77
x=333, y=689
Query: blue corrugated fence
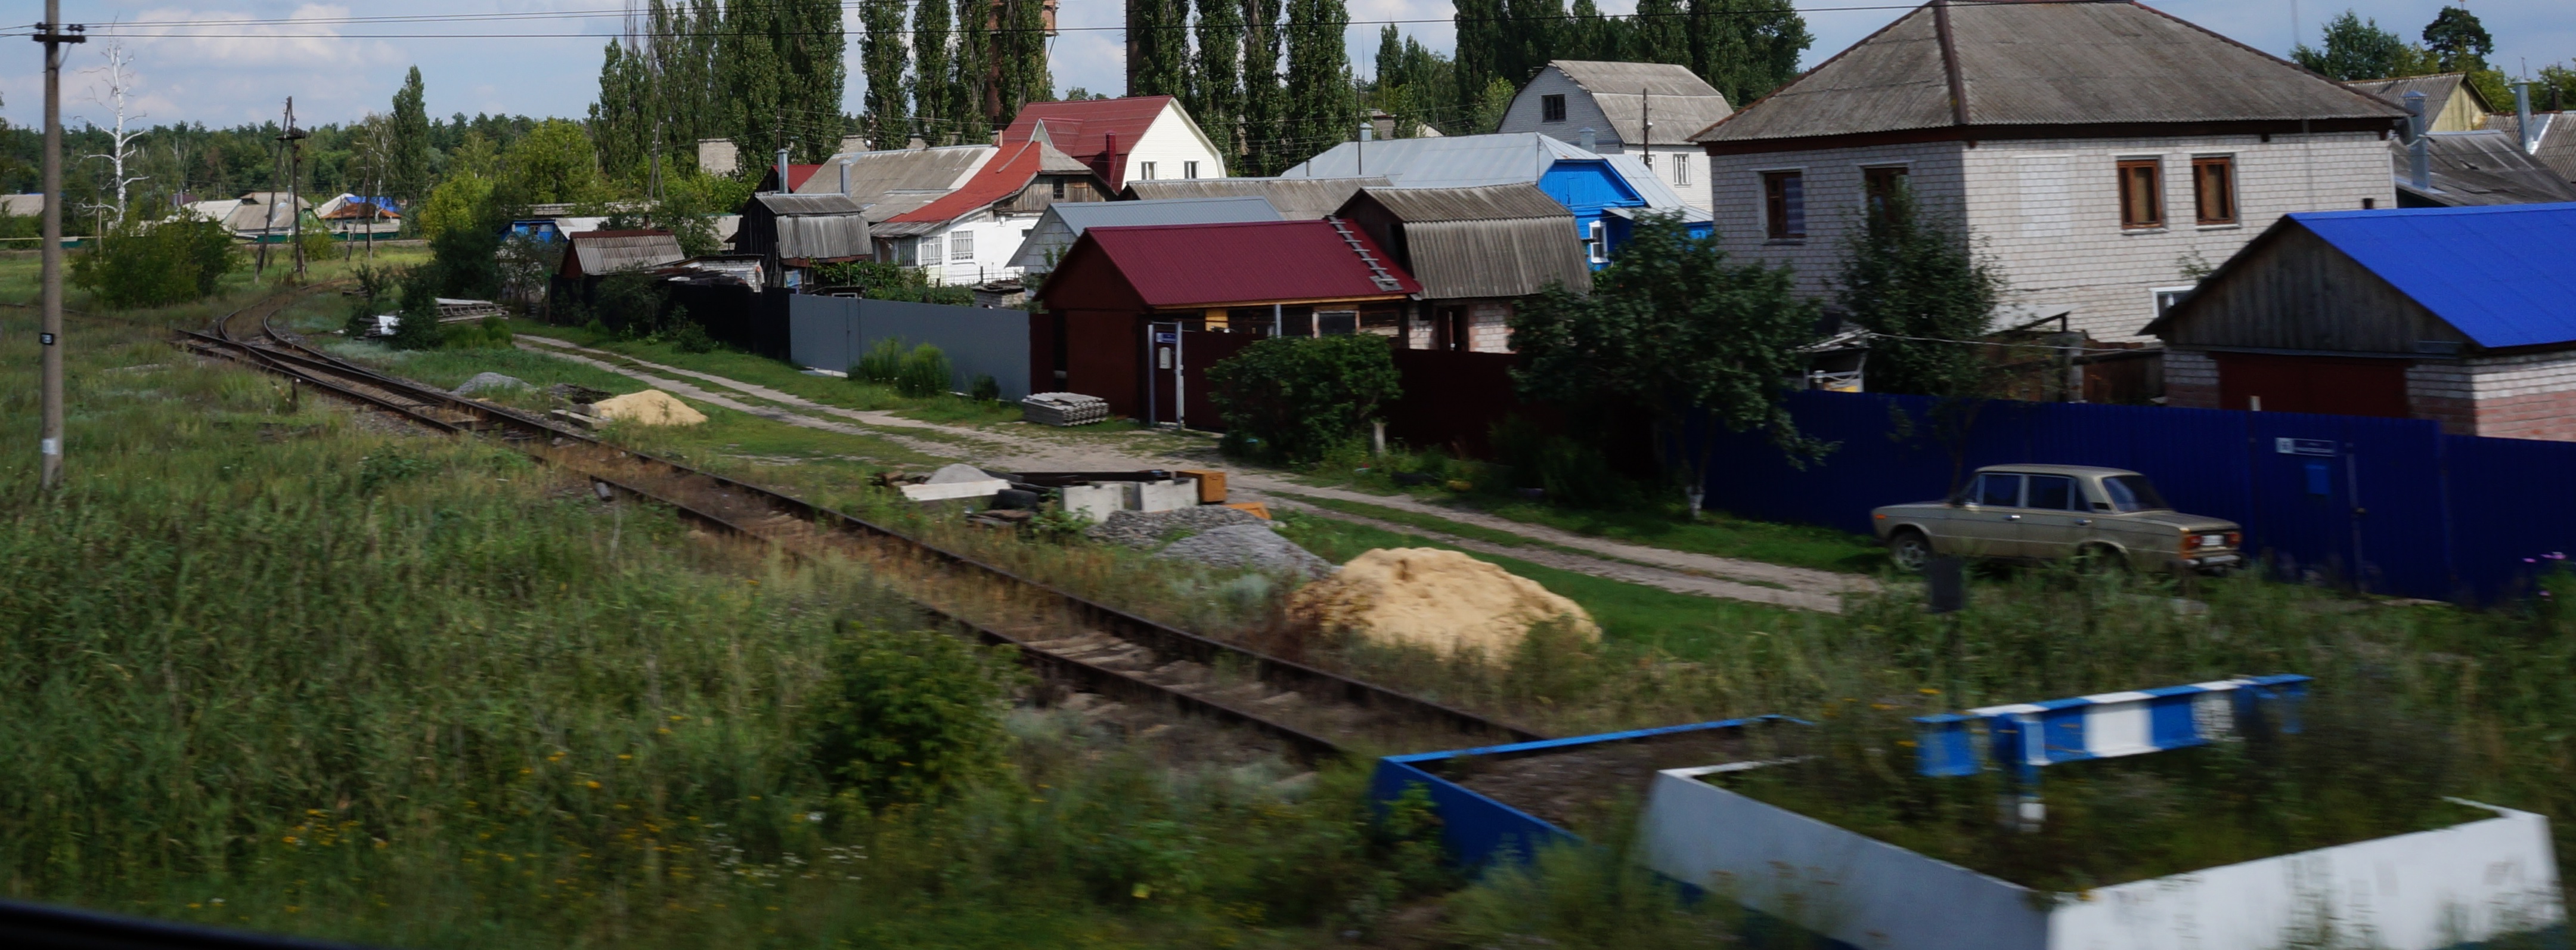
x=2393, y=505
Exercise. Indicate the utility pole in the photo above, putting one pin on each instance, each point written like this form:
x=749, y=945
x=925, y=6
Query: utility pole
x=49, y=443
x=294, y=137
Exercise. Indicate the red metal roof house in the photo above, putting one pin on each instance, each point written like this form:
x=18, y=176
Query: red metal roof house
x=1148, y=138
x=1213, y=288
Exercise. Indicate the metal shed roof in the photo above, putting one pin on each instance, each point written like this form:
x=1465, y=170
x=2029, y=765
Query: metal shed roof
x=1065, y=221
x=594, y=253
x=874, y=175
x=1479, y=203
x=1455, y=161
x=1195, y=265
x=1487, y=241
x=2504, y=275
x=1676, y=99
x=2478, y=168
x=2048, y=64
x=1294, y=198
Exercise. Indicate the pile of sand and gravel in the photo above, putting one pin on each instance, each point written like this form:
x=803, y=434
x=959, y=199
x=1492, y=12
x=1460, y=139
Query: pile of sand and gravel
x=1439, y=600
x=651, y=407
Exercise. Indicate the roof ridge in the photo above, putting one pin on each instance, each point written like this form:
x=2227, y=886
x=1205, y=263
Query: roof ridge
x=1742, y=108
x=2231, y=41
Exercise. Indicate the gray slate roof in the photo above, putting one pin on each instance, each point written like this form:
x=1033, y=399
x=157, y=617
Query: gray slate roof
x=2437, y=90
x=2557, y=134
x=812, y=227
x=1065, y=221
x=1485, y=241
x=894, y=181
x=598, y=253
x=2478, y=168
x=1679, y=101
x=1297, y=199
x=2044, y=64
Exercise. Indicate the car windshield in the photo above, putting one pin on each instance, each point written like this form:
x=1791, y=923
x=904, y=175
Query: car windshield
x=2133, y=493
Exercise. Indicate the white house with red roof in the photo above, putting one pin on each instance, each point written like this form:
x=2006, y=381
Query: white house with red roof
x=1138, y=138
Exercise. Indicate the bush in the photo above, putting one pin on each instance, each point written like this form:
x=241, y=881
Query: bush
x=687, y=335
x=158, y=263
x=923, y=372
x=631, y=304
x=317, y=243
x=376, y=286
x=1570, y=471
x=490, y=333
x=1299, y=397
x=882, y=363
x=881, y=281
x=985, y=388
x=911, y=716
x=418, y=328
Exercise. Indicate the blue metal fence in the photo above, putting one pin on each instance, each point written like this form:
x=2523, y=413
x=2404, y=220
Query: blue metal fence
x=2392, y=505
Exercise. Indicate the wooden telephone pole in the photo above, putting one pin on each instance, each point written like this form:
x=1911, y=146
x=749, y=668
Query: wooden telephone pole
x=50, y=336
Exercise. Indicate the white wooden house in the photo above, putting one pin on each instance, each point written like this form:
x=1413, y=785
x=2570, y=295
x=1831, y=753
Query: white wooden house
x=1650, y=110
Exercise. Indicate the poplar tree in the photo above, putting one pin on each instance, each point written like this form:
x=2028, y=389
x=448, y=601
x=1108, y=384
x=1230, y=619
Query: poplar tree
x=934, y=90
x=748, y=70
x=409, y=162
x=1538, y=28
x=1022, y=49
x=1159, y=31
x=1481, y=31
x=1659, y=34
x=1322, y=107
x=811, y=49
x=1216, y=93
x=882, y=55
x=971, y=69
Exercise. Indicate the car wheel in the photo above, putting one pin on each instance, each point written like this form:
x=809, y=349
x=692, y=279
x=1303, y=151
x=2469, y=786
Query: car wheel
x=2101, y=559
x=1910, y=550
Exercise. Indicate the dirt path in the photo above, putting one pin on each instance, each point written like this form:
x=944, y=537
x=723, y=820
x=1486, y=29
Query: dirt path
x=1679, y=571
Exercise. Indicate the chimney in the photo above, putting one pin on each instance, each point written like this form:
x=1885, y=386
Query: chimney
x=784, y=186
x=1587, y=140
x=2419, y=153
x=2522, y=115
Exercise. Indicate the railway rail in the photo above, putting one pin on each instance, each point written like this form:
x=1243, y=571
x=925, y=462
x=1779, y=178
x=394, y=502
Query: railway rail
x=1068, y=639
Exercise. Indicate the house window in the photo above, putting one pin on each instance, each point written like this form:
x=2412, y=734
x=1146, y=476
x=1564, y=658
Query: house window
x=2168, y=298
x=1337, y=322
x=1596, y=243
x=961, y=246
x=929, y=251
x=1784, y=205
x=2213, y=189
x=2142, y=193
x=1879, y=186
x=1189, y=169
x=1147, y=171
x=1681, y=169
x=1551, y=108
x=1059, y=189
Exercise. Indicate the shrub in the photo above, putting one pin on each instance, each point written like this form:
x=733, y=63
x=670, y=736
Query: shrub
x=985, y=388
x=154, y=264
x=317, y=242
x=491, y=332
x=882, y=363
x=418, y=328
x=376, y=286
x=1570, y=471
x=923, y=372
x=882, y=281
x=1299, y=397
x=911, y=716
x=687, y=335
x=631, y=304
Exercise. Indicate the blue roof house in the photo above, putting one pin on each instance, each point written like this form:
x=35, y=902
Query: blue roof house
x=2466, y=316
x=1607, y=193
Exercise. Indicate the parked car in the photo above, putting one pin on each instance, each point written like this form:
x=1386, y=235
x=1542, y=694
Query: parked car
x=2048, y=512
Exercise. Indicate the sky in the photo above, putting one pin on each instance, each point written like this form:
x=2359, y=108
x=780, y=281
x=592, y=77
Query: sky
x=542, y=57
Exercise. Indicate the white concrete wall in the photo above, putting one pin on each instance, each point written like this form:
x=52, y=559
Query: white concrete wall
x=1171, y=142
x=996, y=240
x=2048, y=210
x=2419, y=891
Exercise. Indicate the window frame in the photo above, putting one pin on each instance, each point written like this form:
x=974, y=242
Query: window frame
x=2156, y=298
x=2075, y=500
x=961, y=246
x=2226, y=166
x=1551, y=107
x=1776, y=211
x=1681, y=170
x=936, y=244
x=2153, y=203
x=1596, y=242
x=1872, y=178
x=2021, y=490
x=1145, y=171
x=1190, y=169
x=1059, y=189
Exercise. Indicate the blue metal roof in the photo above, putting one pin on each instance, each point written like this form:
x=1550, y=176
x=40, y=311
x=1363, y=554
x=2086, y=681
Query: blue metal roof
x=2505, y=275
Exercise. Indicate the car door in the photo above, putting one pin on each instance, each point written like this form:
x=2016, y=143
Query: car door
x=1988, y=524
x=2055, y=519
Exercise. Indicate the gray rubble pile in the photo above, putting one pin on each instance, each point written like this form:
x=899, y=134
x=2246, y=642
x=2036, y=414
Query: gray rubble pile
x=1254, y=546
x=1064, y=409
x=1144, y=529
x=485, y=382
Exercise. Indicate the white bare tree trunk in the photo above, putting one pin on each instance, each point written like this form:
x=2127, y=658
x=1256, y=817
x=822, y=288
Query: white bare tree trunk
x=119, y=75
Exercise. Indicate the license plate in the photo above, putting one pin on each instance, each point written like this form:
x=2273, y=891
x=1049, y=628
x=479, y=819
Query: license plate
x=2219, y=559
x=2213, y=540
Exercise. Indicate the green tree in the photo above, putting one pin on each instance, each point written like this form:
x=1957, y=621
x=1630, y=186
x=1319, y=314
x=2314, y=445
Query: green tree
x=1295, y=399
x=1265, y=103
x=1746, y=48
x=882, y=55
x=1485, y=114
x=1021, y=52
x=1589, y=35
x=153, y=264
x=2459, y=40
x=2557, y=85
x=1216, y=91
x=1675, y=330
x=2354, y=49
x=1915, y=279
x=1660, y=33
x=778, y=63
x=622, y=120
x=409, y=162
x=1538, y=29
x=554, y=163
x=934, y=89
x=971, y=69
x=1481, y=27
x=1323, y=108
x=1158, y=31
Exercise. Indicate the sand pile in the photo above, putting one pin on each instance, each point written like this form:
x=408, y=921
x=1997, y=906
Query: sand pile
x=1439, y=600
x=651, y=407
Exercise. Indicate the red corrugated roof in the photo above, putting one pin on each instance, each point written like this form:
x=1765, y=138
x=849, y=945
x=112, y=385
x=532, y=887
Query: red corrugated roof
x=1188, y=265
x=1081, y=128
x=1000, y=178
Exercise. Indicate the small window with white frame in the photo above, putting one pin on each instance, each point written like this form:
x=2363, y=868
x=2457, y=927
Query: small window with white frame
x=1681, y=169
x=2168, y=298
x=1596, y=243
x=1145, y=170
x=961, y=246
x=1189, y=169
x=929, y=251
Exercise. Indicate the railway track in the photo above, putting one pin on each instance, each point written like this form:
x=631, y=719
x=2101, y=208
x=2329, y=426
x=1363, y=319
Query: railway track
x=1070, y=640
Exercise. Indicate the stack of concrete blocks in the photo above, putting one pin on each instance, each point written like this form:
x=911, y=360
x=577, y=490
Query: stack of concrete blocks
x=1094, y=502
x=2447, y=887
x=954, y=482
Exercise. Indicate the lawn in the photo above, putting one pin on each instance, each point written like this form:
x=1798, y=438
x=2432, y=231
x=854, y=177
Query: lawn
x=762, y=371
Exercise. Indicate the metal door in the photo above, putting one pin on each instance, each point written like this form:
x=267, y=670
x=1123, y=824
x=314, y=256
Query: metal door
x=1165, y=395
x=2055, y=517
x=1989, y=523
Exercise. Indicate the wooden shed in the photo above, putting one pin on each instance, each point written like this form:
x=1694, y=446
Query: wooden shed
x=795, y=232
x=1478, y=251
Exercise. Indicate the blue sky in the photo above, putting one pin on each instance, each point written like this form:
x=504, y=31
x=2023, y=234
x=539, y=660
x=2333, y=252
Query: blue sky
x=340, y=71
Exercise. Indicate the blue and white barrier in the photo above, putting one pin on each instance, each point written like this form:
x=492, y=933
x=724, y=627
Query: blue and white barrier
x=2027, y=736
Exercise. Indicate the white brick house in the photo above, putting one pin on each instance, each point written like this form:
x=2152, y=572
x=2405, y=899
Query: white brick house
x=1618, y=102
x=2102, y=153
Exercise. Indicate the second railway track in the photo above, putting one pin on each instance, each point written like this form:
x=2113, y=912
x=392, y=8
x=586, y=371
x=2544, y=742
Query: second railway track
x=1069, y=639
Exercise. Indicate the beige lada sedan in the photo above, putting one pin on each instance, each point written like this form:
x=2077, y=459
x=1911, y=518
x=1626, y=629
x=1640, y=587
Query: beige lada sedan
x=2047, y=512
